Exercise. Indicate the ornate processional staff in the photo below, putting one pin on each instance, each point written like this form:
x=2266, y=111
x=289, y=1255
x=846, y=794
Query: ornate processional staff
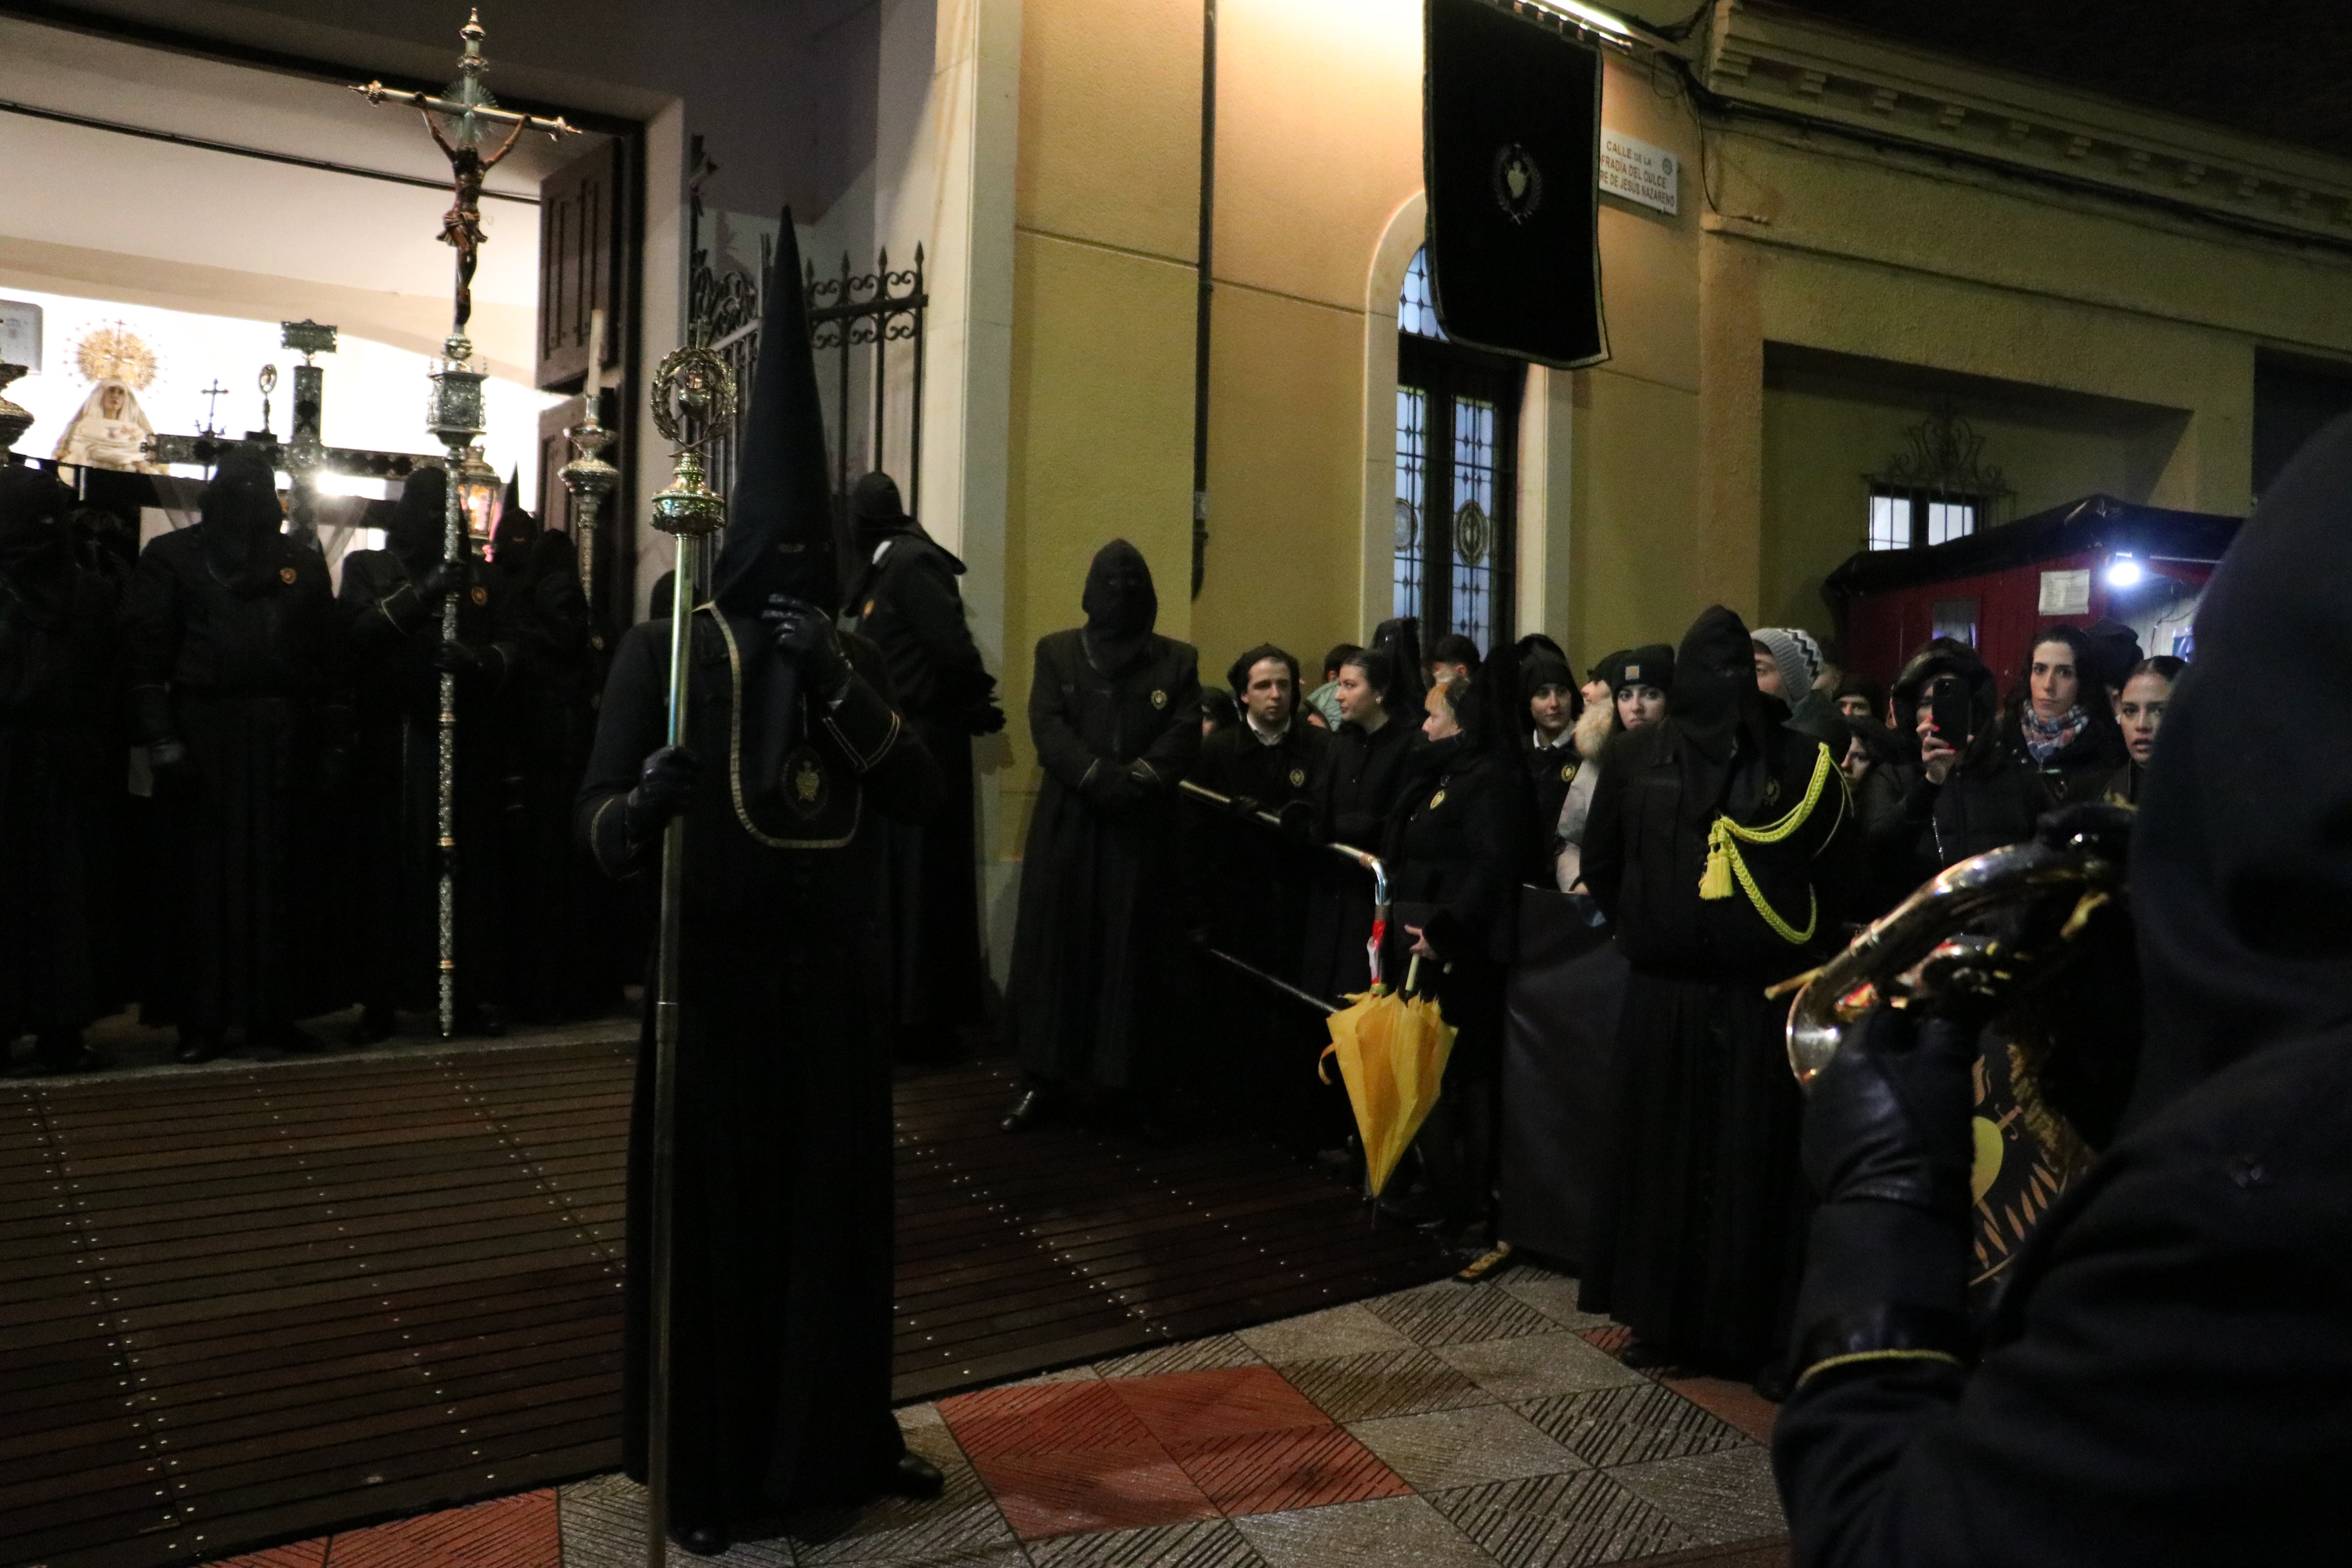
x=456, y=414
x=694, y=399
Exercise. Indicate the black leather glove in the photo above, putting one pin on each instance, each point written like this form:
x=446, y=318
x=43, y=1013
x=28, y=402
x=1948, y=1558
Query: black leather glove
x=1109, y=788
x=984, y=718
x=168, y=764
x=460, y=658
x=439, y=578
x=1243, y=805
x=1299, y=821
x=806, y=636
x=1146, y=777
x=1888, y=1146
x=665, y=785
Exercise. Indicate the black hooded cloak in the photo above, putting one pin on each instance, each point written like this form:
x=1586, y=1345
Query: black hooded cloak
x=780, y=1350
x=905, y=601
x=1097, y=987
x=395, y=634
x=2165, y=1379
x=61, y=772
x=1699, y=1219
x=231, y=638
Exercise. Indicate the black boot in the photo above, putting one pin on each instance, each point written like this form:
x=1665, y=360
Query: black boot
x=703, y=1540
x=1033, y=1106
x=198, y=1045
x=912, y=1476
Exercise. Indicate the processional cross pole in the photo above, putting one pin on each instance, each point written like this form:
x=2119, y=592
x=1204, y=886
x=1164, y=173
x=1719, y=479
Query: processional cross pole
x=461, y=121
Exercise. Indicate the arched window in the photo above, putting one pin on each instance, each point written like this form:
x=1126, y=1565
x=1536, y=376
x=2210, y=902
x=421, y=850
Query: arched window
x=1456, y=479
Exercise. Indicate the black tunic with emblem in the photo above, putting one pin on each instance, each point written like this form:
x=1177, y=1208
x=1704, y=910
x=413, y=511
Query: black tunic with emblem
x=905, y=603
x=1097, y=987
x=61, y=771
x=394, y=634
x=781, y=1354
x=1699, y=1219
x=231, y=638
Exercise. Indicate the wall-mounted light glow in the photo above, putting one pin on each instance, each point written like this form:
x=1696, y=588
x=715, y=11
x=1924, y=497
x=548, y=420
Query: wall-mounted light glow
x=1592, y=16
x=2124, y=572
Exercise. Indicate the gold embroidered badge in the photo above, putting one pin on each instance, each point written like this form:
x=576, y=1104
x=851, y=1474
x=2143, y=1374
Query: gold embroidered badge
x=1159, y=700
x=481, y=595
x=286, y=576
x=1298, y=777
x=1568, y=773
x=1437, y=800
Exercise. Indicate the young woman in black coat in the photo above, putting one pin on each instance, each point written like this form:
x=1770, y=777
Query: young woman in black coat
x=1462, y=837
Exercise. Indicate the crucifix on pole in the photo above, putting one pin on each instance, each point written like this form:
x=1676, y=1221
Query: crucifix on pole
x=461, y=121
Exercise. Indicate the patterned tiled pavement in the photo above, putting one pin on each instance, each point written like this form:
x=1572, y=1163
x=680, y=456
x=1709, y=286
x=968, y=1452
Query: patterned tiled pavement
x=1448, y=1427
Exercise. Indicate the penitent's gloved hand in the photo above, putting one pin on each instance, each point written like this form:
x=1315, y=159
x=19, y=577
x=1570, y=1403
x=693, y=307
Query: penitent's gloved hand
x=438, y=579
x=806, y=636
x=665, y=785
x=1887, y=1145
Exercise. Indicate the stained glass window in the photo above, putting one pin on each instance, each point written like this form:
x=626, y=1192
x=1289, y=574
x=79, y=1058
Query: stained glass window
x=1411, y=483
x=1475, y=530
x=1456, y=429
x=1416, y=307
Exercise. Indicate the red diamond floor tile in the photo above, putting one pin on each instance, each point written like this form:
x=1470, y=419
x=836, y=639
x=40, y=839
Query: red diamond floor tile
x=1609, y=1337
x=507, y=1532
x=1735, y=1402
x=301, y=1554
x=1182, y=1408
x=1044, y=1419
x=1074, y=1493
x=1272, y=1472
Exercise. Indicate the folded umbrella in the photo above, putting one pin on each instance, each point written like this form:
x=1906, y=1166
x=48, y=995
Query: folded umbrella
x=1392, y=1051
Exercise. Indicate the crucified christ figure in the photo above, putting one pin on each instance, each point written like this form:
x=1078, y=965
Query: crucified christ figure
x=462, y=225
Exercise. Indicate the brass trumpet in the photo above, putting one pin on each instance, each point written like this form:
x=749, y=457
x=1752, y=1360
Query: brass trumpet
x=1996, y=934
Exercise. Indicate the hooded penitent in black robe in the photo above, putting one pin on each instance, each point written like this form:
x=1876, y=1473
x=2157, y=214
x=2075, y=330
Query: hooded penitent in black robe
x=2165, y=1380
x=559, y=916
x=230, y=634
x=1698, y=1223
x=905, y=601
x=780, y=1392
x=394, y=828
x=1098, y=961
x=61, y=776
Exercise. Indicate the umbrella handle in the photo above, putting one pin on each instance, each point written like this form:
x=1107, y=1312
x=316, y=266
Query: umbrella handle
x=1412, y=976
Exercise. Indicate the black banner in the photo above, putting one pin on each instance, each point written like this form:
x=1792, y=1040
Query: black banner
x=1510, y=151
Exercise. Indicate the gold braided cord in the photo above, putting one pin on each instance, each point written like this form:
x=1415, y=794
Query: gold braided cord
x=1725, y=863
x=1857, y=1357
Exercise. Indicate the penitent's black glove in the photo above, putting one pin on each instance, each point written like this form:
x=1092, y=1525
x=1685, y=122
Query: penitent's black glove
x=806, y=636
x=1109, y=787
x=438, y=579
x=665, y=785
x=1887, y=1145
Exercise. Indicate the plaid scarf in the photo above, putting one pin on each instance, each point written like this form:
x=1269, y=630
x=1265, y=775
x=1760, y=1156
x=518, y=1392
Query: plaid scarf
x=2047, y=737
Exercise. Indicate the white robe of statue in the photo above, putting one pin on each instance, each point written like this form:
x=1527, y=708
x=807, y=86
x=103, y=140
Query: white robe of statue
x=107, y=432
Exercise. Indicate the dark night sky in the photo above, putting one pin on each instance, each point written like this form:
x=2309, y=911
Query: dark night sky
x=2276, y=70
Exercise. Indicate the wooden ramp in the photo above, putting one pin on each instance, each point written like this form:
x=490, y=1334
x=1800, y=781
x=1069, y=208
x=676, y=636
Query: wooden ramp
x=245, y=1306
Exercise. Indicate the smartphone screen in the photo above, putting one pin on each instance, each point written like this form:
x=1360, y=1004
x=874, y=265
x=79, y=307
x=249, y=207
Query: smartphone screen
x=1953, y=714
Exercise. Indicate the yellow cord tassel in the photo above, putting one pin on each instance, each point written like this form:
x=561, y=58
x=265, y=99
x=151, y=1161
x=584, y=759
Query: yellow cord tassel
x=1724, y=864
x=1715, y=881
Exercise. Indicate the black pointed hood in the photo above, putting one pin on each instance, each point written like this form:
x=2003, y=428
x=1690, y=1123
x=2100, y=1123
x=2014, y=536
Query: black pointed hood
x=419, y=521
x=2241, y=855
x=1407, y=683
x=778, y=538
x=1121, y=605
x=1714, y=691
x=517, y=530
x=241, y=517
x=35, y=536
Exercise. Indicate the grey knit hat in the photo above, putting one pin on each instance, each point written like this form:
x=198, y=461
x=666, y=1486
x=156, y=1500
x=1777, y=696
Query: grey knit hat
x=1797, y=654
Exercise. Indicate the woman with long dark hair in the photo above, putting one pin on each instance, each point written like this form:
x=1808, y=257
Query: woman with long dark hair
x=2140, y=703
x=2058, y=720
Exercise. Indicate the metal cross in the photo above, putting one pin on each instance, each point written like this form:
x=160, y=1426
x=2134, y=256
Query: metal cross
x=212, y=395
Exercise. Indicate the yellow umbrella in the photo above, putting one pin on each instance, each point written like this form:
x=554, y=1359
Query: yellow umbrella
x=1392, y=1051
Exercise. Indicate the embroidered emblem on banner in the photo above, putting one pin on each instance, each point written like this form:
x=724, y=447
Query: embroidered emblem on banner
x=804, y=789
x=286, y=576
x=1159, y=700
x=1519, y=182
x=1298, y=777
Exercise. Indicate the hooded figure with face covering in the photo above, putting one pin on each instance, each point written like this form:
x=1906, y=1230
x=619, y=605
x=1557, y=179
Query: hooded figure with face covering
x=1723, y=844
x=905, y=601
x=393, y=599
x=794, y=754
x=558, y=912
x=1098, y=952
x=2164, y=1378
x=61, y=753
x=234, y=650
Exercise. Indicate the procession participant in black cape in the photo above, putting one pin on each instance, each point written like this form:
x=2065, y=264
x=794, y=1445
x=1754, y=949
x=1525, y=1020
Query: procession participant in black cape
x=2162, y=1379
x=393, y=599
x=1253, y=882
x=1549, y=692
x=61, y=779
x=1462, y=833
x=905, y=601
x=234, y=651
x=780, y=1286
x=1365, y=771
x=558, y=914
x=1095, y=994
x=1721, y=842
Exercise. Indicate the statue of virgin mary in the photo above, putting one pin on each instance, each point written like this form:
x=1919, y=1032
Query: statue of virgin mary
x=107, y=432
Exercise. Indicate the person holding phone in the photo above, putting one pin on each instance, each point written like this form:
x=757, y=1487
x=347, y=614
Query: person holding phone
x=1967, y=794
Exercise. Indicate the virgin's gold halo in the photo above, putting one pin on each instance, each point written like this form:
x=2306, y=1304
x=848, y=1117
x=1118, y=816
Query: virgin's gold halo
x=116, y=353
